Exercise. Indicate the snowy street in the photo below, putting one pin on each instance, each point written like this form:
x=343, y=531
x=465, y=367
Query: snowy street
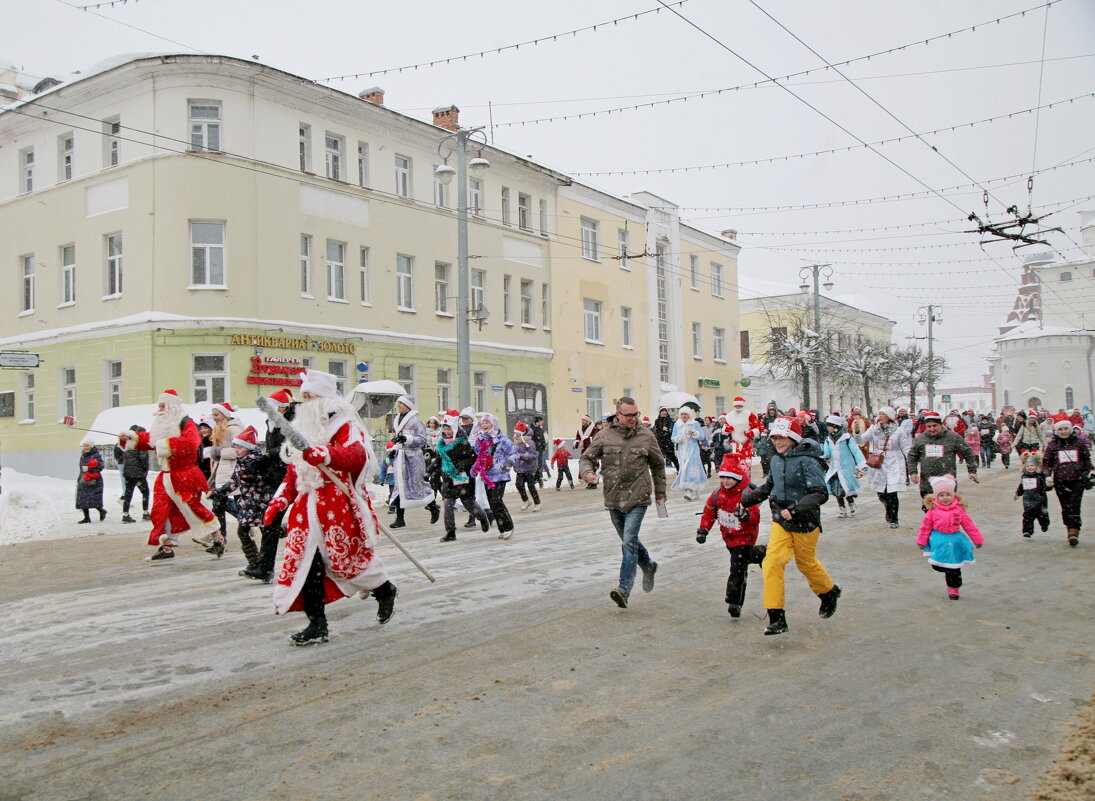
x=515, y=676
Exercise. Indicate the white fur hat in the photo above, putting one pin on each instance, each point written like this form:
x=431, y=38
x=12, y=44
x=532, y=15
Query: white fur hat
x=170, y=397
x=468, y=412
x=323, y=385
x=889, y=412
x=406, y=400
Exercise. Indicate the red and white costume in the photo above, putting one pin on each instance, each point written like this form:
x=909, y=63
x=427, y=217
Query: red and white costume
x=321, y=517
x=743, y=427
x=584, y=436
x=178, y=496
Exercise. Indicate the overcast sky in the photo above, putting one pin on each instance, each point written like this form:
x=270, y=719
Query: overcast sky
x=992, y=71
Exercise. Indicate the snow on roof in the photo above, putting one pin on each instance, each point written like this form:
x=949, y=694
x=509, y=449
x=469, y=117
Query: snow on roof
x=105, y=65
x=1032, y=330
x=110, y=422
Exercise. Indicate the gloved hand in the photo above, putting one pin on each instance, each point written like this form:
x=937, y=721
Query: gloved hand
x=317, y=456
x=921, y=547
x=276, y=507
x=399, y=440
x=701, y=535
x=978, y=546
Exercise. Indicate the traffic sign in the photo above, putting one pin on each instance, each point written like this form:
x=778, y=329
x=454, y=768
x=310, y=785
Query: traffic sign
x=945, y=399
x=18, y=359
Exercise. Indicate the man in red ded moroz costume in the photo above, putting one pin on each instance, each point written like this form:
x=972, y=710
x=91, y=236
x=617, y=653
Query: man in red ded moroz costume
x=743, y=427
x=177, y=498
x=330, y=546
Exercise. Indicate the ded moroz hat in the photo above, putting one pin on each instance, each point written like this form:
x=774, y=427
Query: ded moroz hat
x=248, y=438
x=733, y=466
x=282, y=397
x=320, y=384
x=170, y=397
x=786, y=427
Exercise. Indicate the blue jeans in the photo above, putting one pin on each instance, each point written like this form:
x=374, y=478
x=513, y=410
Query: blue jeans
x=634, y=552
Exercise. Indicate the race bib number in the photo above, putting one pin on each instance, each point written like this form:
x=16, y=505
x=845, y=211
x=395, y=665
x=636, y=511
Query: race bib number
x=729, y=520
x=1067, y=456
x=933, y=451
x=1030, y=483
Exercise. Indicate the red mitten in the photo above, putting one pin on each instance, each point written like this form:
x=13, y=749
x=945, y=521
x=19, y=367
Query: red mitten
x=92, y=464
x=276, y=507
x=317, y=456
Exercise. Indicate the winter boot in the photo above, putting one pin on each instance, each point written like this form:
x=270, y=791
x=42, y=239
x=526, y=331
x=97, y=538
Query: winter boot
x=759, y=552
x=525, y=505
x=619, y=595
x=777, y=622
x=1073, y=537
x=145, y=516
x=472, y=524
x=127, y=519
x=87, y=517
x=952, y=593
x=385, y=599
x=102, y=515
x=205, y=540
x=648, y=577
x=163, y=552
x=484, y=523
x=537, y=507
x=435, y=511
x=828, y=602
x=247, y=545
x=399, y=521
x=842, y=513
x=734, y=610
x=217, y=548
x=851, y=507
x=258, y=574
x=450, y=536
x=316, y=632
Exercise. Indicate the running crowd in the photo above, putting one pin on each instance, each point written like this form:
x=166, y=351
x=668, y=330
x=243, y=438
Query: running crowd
x=315, y=496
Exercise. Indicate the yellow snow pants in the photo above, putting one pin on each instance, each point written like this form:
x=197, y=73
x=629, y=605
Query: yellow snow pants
x=782, y=545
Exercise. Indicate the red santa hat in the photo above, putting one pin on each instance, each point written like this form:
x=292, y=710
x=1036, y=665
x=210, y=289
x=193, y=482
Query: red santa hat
x=520, y=427
x=557, y=441
x=786, y=427
x=248, y=438
x=932, y=417
x=733, y=466
x=170, y=397
x=389, y=446
x=856, y=410
x=646, y=421
x=226, y=408
x=283, y=397
x=739, y=401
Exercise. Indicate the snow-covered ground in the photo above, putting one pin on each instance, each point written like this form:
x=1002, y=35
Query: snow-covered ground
x=42, y=508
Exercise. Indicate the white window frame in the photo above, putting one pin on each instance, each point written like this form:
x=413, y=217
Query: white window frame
x=363, y=284
x=306, y=266
x=112, y=142
x=697, y=341
x=406, y=378
x=362, y=164
x=304, y=146
x=208, y=253
x=444, y=387
x=545, y=306
x=203, y=130
x=507, y=305
x=505, y=206
x=526, y=302
x=66, y=398
x=27, y=387
x=478, y=286
x=1066, y=275
x=402, y=165
x=440, y=191
x=475, y=197
x=337, y=368
x=66, y=156
x=720, y=404
x=543, y=217
x=404, y=282
x=694, y=271
x=623, y=243
x=203, y=382
x=626, y=325
x=26, y=170
x=716, y=280
x=590, y=231
x=595, y=403
x=524, y=211
x=1070, y=396
x=113, y=374
x=480, y=381
x=68, y=274
x=718, y=341
x=336, y=271
x=592, y=312
x=114, y=263
x=334, y=149
x=28, y=269
x=442, y=272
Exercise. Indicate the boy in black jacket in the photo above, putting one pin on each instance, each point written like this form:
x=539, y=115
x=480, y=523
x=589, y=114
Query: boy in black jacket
x=1032, y=489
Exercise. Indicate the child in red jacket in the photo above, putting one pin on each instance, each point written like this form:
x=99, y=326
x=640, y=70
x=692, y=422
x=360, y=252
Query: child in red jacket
x=560, y=460
x=738, y=526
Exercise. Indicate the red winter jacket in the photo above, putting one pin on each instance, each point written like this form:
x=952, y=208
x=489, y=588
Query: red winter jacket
x=720, y=506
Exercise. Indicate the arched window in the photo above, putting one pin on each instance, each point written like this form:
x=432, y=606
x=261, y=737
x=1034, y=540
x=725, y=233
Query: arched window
x=1070, y=397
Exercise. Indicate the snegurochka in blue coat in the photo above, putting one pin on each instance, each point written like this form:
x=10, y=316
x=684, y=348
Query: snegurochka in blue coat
x=846, y=464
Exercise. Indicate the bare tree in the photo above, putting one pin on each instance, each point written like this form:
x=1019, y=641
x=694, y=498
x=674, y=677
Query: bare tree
x=863, y=365
x=912, y=370
x=795, y=349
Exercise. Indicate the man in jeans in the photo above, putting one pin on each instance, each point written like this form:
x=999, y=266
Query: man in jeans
x=632, y=465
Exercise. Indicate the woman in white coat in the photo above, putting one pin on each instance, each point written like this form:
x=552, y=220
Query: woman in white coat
x=886, y=437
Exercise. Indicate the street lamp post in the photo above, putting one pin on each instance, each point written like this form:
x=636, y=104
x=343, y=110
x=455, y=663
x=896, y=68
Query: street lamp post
x=817, y=270
x=445, y=174
x=930, y=314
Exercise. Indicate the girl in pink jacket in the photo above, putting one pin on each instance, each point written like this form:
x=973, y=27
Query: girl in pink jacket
x=947, y=533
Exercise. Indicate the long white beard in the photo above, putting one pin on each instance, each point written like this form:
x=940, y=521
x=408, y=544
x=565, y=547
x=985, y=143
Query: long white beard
x=311, y=420
x=165, y=424
x=740, y=421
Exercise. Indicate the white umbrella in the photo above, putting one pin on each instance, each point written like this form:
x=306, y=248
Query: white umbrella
x=675, y=400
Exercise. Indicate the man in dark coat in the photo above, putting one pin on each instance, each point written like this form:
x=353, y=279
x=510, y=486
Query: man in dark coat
x=135, y=471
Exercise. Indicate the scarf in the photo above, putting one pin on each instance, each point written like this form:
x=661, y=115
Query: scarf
x=484, y=460
x=443, y=449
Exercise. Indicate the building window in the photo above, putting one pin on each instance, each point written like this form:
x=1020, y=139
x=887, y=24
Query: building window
x=661, y=284
x=205, y=125
x=589, y=239
x=479, y=381
x=28, y=282
x=363, y=274
x=505, y=205
x=478, y=289
x=592, y=320
x=114, y=265
x=475, y=196
x=441, y=288
x=1066, y=275
x=524, y=211
x=595, y=402
x=362, y=164
x=114, y=384
x=210, y=377
x=718, y=351
x=622, y=245
x=304, y=147
x=404, y=281
x=28, y=396
x=507, y=306
x=720, y=404
x=694, y=272
x=526, y=302
x=440, y=191
x=1070, y=398
x=68, y=391
x=66, y=147
x=337, y=368
x=26, y=170
x=406, y=378
x=625, y=319
x=335, y=147
x=779, y=331
x=7, y=404
x=68, y=274
x=716, y=280
x=112, y=142
x=545, y=306
x=444, y=388
x=336, y=270
x=306, y=265
x=207, y=254
x=543, y=217
x=697, y=345
x=402, y=176
x=744, y=339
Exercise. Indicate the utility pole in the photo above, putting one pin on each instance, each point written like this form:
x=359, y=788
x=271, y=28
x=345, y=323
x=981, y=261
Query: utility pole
x=817, y=270
x=931, y=314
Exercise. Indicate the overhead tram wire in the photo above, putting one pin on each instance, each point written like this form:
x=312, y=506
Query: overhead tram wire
x=91, y=10
x=715, y=92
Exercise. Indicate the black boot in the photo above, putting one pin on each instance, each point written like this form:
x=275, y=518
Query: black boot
x=316, y=632
x=777, y=622
x=247, y=545
x=828, y=602
x=87, y=517
x=484, y=522
x=435, y=511
x=472, y=524
x=127, y=519
x=450, y=536
x=102, y=515
x=385, y=598
x=258, y=574
x=399, y=522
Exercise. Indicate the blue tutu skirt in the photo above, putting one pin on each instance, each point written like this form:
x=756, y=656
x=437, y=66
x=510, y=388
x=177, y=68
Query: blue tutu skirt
x=949, y=550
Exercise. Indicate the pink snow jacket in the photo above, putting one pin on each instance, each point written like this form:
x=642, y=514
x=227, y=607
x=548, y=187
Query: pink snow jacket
x=947, y=520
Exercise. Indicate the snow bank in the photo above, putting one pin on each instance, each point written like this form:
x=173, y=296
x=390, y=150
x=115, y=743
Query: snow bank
x=43, y=508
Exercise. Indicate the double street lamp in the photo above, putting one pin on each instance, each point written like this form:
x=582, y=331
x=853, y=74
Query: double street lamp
x=445, y=174
x=817, y=271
